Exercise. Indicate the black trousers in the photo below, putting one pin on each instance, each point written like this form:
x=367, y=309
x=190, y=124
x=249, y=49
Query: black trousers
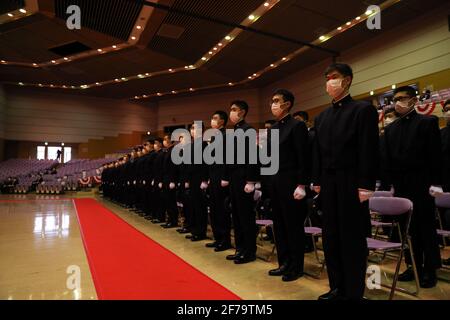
x=219, y=217
x=185, y=195
x=424, y=238
x=288, y=221
x=345, y=222
x=243, y=215
x=198, y=207
x=170, y=204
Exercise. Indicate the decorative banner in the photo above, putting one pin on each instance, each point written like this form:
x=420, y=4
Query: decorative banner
x=427, y=108
x=380, y=115
x=97, y=179
x=85, y=181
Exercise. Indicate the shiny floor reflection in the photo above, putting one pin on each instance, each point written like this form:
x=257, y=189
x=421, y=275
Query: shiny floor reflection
x=41, y=251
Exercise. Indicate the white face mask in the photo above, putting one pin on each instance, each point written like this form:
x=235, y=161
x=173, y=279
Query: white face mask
x=234, y=117
x=277, y=111
x=334, y=88
x=214, y=124
x=403, y=106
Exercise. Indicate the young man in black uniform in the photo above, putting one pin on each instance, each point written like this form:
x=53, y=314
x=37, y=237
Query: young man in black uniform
x=345, y=167
x=220, y=219
x=242, y=178
x=197, y=180
x=158, y=213
x=412, y=146
x=169, y=183
x=288, y=188
x=445, y=137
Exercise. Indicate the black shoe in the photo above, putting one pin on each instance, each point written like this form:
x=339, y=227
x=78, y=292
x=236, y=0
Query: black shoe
x=291, y=276
x=211, y=244
x=189, y=236
x=330, y=295
x=179, y=230
x=407, y=275
x=156, y=221
x=233, y=256
x=148, y=218
x=184, y=230
x=170, y=225
x=245, y=259
x=278, y=271
x=446, y=262
x=428, y=280
x=222, y=247
x=198, y=238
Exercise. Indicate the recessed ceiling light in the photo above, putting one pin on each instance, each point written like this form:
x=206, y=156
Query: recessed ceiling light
x=372, y=93
x=358, y=18
x=170, y=70
x=10, y=15
x=284, y=59
x=394, y=86
x=203, y=58
x=65, y=58
x=133, y=38
x=249, y=77
x=159, y=94
x=266, y=4
x=140, y=76
x=251, y=17
x=34, y=64
x=40, y=84
x=191, y=66
x=124, y=79
x=3, y=61
x=139, y=27
x=219, y=44
x=173, y=91
x=114, y=46
x=215, y=48
x=145, y=96
x=348, y=23
x=23, y=10
x=322, y=38
x=53, y=61
x=230, y=83
x=191, y=89
x=148, y=74
x=117, y=80
x=254, y=74
x=369, y=12
x=228, y=38
x=136, y=97
x=272, y=65
x=99, y=50
x=340, y=28
x=21, y=83
x=97, y=83
x=210, y=52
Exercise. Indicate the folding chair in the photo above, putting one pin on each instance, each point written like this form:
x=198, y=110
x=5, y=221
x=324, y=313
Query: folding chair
x=262, y=225
x=374, y=221
x=442, y=201
x=395, y=208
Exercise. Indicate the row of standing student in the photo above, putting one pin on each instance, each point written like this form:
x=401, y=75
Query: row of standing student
x=339, y=159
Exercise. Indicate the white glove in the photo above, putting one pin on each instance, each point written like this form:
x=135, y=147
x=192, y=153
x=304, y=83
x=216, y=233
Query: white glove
x=299, y=192
x=249, y=187
x=186, y=185
x=435, y=191
x=316, y=189
x=364, y=194
x=134, y=182
x=128, y=182
x=143, y=182
x=257, y=186
x=171, y=186
x=224, y=183
x=160, y=185
x=204, y=185
x=257, y=195
x=153, y=182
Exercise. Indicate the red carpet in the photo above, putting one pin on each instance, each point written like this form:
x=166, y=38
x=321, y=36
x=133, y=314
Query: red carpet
x=126, y=264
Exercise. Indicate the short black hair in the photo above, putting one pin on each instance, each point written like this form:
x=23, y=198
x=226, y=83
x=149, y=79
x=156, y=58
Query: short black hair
x=222, y=115
x=408, y=89
x=287, y=96
x=241, y=104
x=160, y=140
x=342, y=68
x=302, y=114
x=270, y=121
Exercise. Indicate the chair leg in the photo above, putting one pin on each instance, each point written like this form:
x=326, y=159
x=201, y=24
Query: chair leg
x=397, y=270
x=416, y=276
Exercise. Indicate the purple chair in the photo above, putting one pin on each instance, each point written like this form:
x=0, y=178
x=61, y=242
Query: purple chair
x=376, y=222
x=394, y=208
x=442, y=201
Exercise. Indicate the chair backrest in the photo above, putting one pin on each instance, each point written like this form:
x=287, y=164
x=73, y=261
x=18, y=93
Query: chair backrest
x=390, y=206
x=443, y=200
x=378, y=194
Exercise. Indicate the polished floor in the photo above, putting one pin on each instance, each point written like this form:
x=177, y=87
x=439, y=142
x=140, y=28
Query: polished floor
x=41, y=252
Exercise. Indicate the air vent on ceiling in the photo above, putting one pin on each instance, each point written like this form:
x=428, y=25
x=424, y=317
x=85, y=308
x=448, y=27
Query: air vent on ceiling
x=69, y=49
x=170, y=31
